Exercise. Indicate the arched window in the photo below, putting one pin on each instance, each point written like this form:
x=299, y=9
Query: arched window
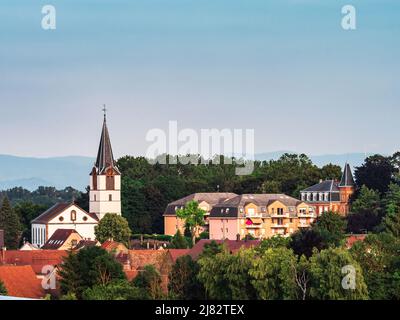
x=110, y=180
x=94, y=179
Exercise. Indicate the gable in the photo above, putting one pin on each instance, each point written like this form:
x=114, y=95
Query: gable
x=67, y=216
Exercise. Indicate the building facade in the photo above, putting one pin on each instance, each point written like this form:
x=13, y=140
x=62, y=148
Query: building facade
x=260, y=216
x=206, y=202
x=104, y=197
x=331, y=195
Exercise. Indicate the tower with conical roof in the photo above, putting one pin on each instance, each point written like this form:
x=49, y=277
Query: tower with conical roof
x=105, y=179
x=346, y=189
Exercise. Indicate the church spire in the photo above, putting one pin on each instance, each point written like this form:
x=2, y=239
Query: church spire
x=105, y=157
x=347, y=177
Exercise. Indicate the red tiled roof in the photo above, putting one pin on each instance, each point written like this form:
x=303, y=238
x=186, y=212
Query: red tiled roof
x=112, y=245
x=351, y=239
x=176, y=253
x=21, y=281
x=232, y=245
x=37, y=258
x=58, y=239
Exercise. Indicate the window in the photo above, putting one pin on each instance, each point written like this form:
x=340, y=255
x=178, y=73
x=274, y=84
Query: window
x=280, y=211
x=84, y=218
x=73, y=215
x=110, y=197
x=110, y=183
x=95, y=198
x=61, y=219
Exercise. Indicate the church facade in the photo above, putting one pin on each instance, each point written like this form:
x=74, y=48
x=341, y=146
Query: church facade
x=104, y=197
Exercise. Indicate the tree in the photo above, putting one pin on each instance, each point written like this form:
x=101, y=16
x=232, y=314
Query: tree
x=211, y=249
x=366, y=211
x=149, y=280
x=89, y=267
x=331, y=227
x=378, y=256
x=330, y=270
x=183, y=283
x=193, y=217
x=274, y=275
x=178, y=241
x=226, y=276
x=375, y=173
x=10, y=223
x=3, y=290
x=115, y=290
x=273, y=242
x=27, y=211
x=114, y=227
x=304, y=241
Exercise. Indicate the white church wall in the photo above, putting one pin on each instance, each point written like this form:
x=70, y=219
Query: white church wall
x=85, y=230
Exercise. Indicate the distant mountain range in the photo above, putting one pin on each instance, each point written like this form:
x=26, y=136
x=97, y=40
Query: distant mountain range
x=30, y=173
x=60, y=172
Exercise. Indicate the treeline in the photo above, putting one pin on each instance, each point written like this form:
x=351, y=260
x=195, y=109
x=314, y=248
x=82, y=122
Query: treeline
x=147, y=188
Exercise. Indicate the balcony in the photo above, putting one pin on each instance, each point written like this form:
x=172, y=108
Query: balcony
x=304, y=225
x=280, y=215
x=306, y=215
x=253, y=215
x=281, y=226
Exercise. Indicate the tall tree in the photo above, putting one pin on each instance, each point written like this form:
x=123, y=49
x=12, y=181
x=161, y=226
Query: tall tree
x=115, y=290
x=89, y=267
x=375, y=173
x=10, y=223
x=114, y=227
x=331, y=227
x=183, y=282
x=149, y=280
x=193, y=216
x=274, y=276
x=335, y=275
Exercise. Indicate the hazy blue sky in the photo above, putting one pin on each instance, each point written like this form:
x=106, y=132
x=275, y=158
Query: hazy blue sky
x=285, y=68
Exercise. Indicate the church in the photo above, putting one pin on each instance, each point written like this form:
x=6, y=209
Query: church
x=104, y=197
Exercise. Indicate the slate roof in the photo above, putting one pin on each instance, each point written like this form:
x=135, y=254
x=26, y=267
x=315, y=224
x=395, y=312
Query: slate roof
x=55, y=210
x=347, y=177
x=21, y=281
x=85, y=243
x=105, y=157
x=58, y=239
x=212, y=198
x=324, y=186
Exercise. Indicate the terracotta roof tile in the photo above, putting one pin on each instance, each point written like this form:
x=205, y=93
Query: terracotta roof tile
x=21, y=281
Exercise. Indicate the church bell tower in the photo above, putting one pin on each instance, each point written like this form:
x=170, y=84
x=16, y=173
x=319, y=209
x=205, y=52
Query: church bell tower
x=105, y=179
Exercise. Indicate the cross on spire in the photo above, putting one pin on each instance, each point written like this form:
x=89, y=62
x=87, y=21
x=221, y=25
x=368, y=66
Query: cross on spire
x=105, y=111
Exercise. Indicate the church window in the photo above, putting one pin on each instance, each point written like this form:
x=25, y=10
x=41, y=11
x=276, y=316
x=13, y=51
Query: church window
x=61, y=219
x=110, y=197
x=73, y=215
x=85, y=218
x=95, y=198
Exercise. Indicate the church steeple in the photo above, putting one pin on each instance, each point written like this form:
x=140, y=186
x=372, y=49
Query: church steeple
x=105, y=157
x=105, y=180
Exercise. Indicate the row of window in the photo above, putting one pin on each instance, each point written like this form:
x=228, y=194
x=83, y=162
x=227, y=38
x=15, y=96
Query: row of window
x=315, y=196
x=110, y=198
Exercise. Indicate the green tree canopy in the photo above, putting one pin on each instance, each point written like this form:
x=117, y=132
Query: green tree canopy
x=115, y=290
x=150, y=282
x=183, y=283
x=193, y=217
x=178, y=241
x=10, y=223
x=113, y=226
x=89, y=267
x=328, y=270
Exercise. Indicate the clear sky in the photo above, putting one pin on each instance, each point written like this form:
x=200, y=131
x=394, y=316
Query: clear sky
x=285, y=68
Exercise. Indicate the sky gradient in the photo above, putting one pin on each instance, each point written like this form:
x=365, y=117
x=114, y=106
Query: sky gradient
x=285, y=68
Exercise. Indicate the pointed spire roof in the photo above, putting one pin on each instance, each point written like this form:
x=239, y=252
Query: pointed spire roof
x=347, y=177
x=105, y=157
